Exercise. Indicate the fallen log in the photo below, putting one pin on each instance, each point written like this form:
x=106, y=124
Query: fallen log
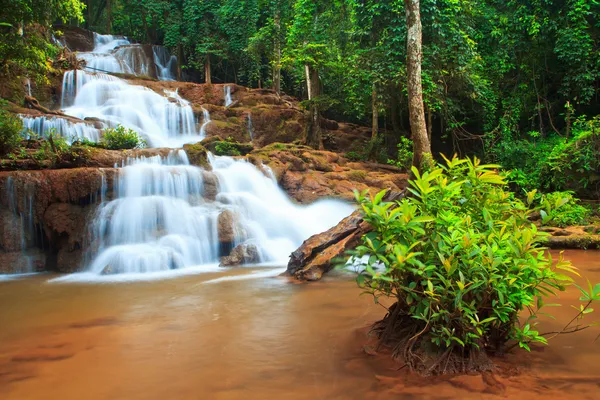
x=316, y=256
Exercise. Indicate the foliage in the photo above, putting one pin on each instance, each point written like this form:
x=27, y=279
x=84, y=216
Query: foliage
x=121, y=138
x=226, y=149
x=10, y=130
x=461, y=260
x=574, y=164
x=565, y=210
x=53, y=148
x=405, y=154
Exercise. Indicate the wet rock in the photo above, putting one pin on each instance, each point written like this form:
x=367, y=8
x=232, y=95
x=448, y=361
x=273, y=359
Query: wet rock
x=211, y=186
x=198, y=155
x=229, y=227
x=76, y=39
x=11, y=228
x=241, y=254
x=32, y=260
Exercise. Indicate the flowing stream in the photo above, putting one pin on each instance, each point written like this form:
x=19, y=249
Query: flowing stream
x=216, y=336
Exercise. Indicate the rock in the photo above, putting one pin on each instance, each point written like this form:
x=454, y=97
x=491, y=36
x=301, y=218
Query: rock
x=11, y=228
x=229, y=228
x=198, y=155
x=32, y=260
x=211, y=186
x=241, y=254
x=77, y=39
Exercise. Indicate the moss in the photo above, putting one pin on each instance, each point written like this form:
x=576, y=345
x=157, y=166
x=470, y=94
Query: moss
x=356, y=175
x=197, y=154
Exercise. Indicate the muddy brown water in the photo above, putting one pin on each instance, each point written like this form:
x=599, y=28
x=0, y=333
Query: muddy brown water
x=264, y=338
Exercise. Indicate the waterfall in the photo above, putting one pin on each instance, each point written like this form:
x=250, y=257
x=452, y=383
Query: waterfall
x=26, y=224
x=71, y=131
x=166, y=64
x=28, y=85
x=250, y=128
x=205, y=121
x=166, y=215
x=227, y=90
x=164, y=120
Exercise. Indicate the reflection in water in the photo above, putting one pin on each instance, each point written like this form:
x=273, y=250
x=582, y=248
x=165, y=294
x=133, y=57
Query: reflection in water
x=239, y=338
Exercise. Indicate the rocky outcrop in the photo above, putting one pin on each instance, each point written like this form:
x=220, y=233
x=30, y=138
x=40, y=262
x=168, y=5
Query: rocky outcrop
x=75, y=38
x=573, y=237
x=44, y=214
x=241, y=254
x=308, y=175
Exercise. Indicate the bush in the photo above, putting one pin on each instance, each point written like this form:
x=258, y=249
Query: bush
x=226, y=149
x=11, y=127
x=575, y=164
x=121, y=138
x=565, y=210
x=461, y=260
x=405, y=154
x=355, y=156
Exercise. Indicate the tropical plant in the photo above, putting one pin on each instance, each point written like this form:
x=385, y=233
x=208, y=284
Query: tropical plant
x=565, y=210
x=11, y=127
x=404, y=156
x=461, y=260
x=121, y=138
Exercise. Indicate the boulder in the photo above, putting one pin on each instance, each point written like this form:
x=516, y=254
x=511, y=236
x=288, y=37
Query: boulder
x=241, y=254
x=229, y=228
x=197, y=155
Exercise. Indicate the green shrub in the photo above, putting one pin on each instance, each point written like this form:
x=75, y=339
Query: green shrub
x=226, y=149
x=121, y=138
x=461, y=260
x=10, y=131
x=355, y=156
x=574, y=164
x=405, y=154
x=565, y=210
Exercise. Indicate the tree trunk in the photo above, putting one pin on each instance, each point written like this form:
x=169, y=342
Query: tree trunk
x=207, y=75
x=179, y=61
x=429, y=124
x=108, y=16
x=421, y=144
x=375, y=111
x=277, y=64
x=313, y=128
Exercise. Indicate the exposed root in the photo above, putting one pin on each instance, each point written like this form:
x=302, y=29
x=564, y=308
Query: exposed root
x=408, y=340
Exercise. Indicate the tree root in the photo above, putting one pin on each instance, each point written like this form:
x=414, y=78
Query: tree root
x=409, y=342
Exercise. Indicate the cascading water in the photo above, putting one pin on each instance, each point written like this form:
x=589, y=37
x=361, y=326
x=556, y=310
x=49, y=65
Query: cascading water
x=205, y=121
x=250, y=128
x=27, y=244
x=166, y=64
x=167, y=215
x=41, y=126
x=164, y=121
x=227, y=91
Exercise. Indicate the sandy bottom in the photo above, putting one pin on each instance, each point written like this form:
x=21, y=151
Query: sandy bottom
x=216, y=336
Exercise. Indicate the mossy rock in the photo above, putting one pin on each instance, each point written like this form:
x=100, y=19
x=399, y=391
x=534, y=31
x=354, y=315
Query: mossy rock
x=198, y=155
x=226, y=148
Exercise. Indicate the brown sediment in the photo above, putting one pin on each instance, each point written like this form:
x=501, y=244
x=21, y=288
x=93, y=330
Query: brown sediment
x=257, y=339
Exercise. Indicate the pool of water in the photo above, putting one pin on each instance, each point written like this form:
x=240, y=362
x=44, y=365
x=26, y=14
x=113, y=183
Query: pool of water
x=220, y=335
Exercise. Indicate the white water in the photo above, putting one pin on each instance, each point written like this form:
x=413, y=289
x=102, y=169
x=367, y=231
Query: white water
x=164, y=121
x=26, y=224
x=41, y=126
x=161, y=219
x=250, y=128
x=227, y=91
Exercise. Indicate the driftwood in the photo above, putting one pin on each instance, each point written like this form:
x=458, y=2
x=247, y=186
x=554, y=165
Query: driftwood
x=32, y=102
x=317, y=254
